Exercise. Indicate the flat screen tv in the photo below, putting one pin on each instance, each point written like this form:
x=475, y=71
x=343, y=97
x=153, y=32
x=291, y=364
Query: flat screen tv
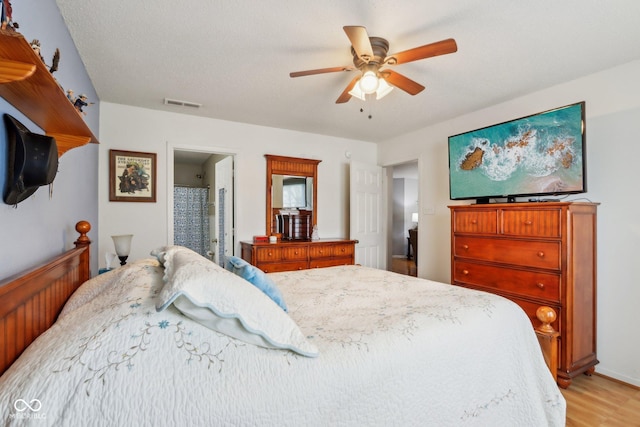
x=535, y=156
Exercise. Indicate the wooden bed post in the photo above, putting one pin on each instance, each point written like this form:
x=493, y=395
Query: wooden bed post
x=548, y=338
x=83, y=227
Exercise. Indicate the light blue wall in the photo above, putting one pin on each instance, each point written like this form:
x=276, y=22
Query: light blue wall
x=39, y=227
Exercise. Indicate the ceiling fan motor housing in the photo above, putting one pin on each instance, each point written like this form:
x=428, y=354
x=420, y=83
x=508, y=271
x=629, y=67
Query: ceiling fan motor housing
x=379, y=46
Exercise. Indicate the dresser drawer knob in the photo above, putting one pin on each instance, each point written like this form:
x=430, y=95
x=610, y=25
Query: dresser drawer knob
x=465, y=247
x=540, y=285
x=474, y=221
x=528, y=222
x=465, y=272
x=269, y=254
x=541, y=254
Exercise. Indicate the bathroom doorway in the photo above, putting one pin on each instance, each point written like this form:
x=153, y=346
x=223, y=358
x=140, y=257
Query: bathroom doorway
x=204, y=218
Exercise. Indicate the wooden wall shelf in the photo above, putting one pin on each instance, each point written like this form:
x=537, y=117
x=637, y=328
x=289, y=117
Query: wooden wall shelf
x=27, y=84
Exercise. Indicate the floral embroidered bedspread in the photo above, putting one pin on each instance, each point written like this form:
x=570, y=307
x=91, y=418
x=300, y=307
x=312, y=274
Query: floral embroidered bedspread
x=394, y=350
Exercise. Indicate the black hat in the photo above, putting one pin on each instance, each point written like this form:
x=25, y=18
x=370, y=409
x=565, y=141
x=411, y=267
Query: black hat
x=32, y=161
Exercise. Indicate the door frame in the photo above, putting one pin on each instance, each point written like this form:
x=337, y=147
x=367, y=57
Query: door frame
x=388, y=171
x=173, y=147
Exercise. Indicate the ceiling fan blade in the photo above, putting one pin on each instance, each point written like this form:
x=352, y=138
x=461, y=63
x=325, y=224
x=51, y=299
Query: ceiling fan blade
x=360, y=41
x=345, y=95
x=320, y=71
x=442, y=47
x=402, y=82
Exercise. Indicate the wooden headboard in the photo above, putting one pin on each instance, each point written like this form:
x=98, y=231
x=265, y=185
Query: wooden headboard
x=31, y=301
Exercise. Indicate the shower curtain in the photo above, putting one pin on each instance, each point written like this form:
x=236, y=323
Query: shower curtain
x=191, y=218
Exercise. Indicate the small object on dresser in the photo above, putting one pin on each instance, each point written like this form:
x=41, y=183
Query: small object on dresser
x=314, y=234
x=273, y=239
x=260, y=239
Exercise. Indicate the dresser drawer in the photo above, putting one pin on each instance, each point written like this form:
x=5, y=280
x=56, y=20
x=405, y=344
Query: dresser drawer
x=345, y=250
x=477, y=221
x=517, y=252
x=283, y=266
x=268, y=254
x=531, y=222
x=328, y=251
x=329, y=262
x=519, y=282
x=295, y=253
x=530, y=309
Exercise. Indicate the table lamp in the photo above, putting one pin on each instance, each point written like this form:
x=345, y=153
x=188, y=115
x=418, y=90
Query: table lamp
x=123, y=246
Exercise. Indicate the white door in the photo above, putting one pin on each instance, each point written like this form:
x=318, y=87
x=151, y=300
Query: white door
x=223, y=240
x=366, y=226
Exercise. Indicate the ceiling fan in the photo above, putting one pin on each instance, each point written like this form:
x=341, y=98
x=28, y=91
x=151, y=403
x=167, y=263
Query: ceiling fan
x=370, y=55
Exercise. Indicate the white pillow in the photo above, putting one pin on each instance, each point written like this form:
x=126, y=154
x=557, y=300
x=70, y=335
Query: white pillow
x=222, y=301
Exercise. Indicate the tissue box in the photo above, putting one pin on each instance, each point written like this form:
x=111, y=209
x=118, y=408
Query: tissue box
x=260, y=239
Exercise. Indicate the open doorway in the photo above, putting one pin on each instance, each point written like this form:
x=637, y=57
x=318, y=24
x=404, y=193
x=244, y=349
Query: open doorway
x=404, y=211
x=201, y=203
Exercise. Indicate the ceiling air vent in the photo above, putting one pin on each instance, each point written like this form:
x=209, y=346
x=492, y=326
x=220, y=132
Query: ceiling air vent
x=169, y=101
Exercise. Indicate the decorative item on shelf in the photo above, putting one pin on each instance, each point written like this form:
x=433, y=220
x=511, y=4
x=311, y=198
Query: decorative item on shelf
x=314, y=234
x=35, y=45
x=81, y=102
x=123, y=246
x=32, y=161
x=6, y=20
x=260, y=239
x=273, y=239
x=414, y=219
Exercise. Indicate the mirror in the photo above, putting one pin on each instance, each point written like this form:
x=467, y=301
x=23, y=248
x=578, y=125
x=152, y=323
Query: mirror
x=291, y=196
x=289, y=191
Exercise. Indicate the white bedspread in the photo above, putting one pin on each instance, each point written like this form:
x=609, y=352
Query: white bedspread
x=394, y=351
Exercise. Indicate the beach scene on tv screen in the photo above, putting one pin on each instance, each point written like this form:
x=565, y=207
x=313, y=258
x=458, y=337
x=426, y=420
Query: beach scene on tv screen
x=539, y=154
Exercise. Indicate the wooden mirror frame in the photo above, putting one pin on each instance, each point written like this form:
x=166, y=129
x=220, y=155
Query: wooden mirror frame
x=281, y=165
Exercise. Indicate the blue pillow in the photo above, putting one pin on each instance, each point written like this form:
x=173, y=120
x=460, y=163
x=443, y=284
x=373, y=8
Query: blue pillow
x=256, y=277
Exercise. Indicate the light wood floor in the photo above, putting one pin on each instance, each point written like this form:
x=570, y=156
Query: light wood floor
x=592, y=401
x=600, y=401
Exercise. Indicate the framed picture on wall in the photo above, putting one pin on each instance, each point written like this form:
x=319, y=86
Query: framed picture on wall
x=132, y=176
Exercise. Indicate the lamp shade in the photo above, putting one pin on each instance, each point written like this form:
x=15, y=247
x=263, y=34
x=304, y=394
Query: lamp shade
x=122, y=244
x=368, y=82
x=358, y=93
x=383, y=89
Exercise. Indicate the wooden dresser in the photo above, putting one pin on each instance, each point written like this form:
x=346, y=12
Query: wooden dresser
x=298, y=255
x=535, y=254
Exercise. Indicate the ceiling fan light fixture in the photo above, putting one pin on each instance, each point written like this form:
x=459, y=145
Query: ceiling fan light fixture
x=356, y=92
x=369, y=82
x=383, y=89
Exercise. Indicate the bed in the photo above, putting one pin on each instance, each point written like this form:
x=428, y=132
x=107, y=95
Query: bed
x=176, y=340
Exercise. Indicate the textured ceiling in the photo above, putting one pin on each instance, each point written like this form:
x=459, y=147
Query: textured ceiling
x=234, y=57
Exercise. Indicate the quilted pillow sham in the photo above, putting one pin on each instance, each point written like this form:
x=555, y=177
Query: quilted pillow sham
x=257, y=278
x=222, y=301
